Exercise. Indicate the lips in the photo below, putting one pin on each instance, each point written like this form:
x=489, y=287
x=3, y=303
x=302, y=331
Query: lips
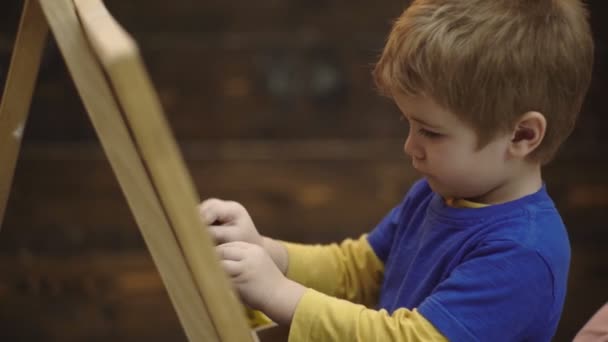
x=416, y=165
x=421, y=170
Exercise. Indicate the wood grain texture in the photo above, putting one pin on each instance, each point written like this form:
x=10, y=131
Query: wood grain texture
x=317, y=17
x=97, y=297
x=120, y=58
x=127, y=165
x=18, y=92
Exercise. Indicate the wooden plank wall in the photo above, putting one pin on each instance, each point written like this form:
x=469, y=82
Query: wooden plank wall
x=273, y=106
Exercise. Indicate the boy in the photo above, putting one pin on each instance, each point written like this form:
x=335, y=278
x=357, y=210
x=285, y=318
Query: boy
x=476, y=251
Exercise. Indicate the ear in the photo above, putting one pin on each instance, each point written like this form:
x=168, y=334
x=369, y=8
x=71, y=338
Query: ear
x=528, y=133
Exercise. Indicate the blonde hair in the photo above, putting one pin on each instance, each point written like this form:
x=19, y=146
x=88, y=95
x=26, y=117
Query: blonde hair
x=490, y=61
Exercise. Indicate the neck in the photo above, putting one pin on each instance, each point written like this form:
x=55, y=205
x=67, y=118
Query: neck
x=523, y=183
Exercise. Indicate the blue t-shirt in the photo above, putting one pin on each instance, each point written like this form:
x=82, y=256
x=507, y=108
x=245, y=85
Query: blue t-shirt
x=496, y=273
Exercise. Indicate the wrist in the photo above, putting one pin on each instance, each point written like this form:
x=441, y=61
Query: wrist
x=277, y=252
x=282, y=305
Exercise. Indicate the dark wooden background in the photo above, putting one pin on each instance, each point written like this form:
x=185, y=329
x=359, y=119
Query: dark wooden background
x=273, y=105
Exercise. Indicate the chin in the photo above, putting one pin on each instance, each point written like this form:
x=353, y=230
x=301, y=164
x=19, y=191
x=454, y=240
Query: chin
x=436, y=187
x=445, y=192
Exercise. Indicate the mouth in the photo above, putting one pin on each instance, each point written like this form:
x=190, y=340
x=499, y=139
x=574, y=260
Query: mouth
x=417, y=167
x=422, y=171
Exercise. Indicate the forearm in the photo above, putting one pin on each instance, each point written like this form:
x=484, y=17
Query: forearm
x=322, y=318
x=282, y=306
x=349, y=270
x=277, y=252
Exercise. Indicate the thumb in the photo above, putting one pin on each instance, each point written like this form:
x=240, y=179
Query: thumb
x=216, y=211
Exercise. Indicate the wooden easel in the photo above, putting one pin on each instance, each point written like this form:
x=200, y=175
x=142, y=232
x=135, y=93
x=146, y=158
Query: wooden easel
x=106, y=67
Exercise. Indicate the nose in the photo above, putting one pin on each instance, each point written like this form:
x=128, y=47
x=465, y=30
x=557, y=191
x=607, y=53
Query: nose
x=412, y=149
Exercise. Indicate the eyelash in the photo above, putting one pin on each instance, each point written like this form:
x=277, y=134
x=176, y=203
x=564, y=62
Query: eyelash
x=428, y=134
x=422, y=131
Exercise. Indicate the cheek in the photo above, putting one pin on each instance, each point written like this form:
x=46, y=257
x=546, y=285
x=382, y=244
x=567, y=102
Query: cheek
x=448, y=158
x=481, y=171
x=463, y=172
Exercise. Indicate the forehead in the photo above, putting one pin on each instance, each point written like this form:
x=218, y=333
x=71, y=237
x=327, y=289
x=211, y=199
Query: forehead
x=424, y=108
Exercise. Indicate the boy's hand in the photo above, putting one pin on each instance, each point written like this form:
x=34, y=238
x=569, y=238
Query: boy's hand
x=258, y=281
x=229, y=221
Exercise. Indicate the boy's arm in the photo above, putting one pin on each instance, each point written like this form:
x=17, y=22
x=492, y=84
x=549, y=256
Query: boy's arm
x=319, y=317
x=278, y=253
x=314, y=316
x=503, y=292
x=350, y=270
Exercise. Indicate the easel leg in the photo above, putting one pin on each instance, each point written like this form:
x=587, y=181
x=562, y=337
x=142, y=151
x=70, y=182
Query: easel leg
x=106, y=117
x=17, y=97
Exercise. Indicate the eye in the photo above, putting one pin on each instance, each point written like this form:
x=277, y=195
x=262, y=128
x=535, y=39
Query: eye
x=428, y=134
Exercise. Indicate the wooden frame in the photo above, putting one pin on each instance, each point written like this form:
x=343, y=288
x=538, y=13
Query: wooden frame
x=111, y=79
x=18, y=91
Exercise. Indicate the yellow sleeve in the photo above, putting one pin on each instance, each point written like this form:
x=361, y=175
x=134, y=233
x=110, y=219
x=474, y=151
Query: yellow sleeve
x=321, y=318
x=350, y=270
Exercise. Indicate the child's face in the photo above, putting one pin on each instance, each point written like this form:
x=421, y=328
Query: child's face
x=444, y=149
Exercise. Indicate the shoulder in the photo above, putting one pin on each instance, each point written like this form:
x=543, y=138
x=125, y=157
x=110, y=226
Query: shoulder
x=538, y=227
x=538, y=261
x=537, y=232
x=498, y=278
x=532, y=222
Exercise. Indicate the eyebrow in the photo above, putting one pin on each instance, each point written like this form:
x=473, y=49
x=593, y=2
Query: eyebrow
x=420, y=121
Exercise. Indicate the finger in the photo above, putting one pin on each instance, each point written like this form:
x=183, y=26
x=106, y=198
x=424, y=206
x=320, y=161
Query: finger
x=234, y=251
x=215, y=210
x=222, y=234
x=239, y=244
x=208, y=210
x=232, y=268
